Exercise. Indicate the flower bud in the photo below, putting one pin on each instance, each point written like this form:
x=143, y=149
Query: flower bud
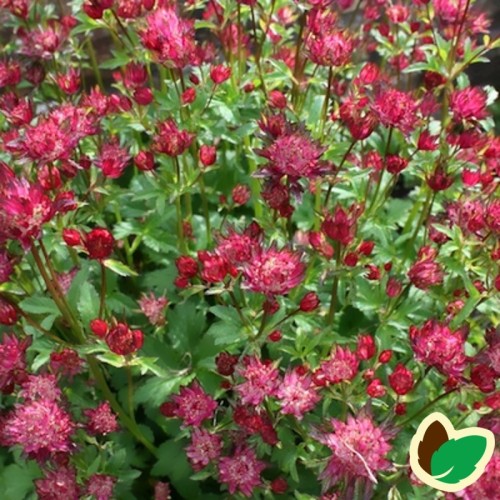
x=309, y=302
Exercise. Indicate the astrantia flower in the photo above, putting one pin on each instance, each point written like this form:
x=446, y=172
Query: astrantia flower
x=236, y=248
x=8, y=313
x=153, y=308
x=121, y=339
x=295, y=155
x=100, y=487
x=66, y=362
x=99, y=243
x=101, y=420
x=205, y=447
x=24, y=209
x=112, y=160
x=170, y=37
x=241, y=471
x=40, y=427
x=341, y=225
x=6, y=267
x=12, y=361
x=342, y=365
x=297, y=394
x=468, y=104
x=436, y=345
x=273, y=272
x=194, y=405
x=37, y=387
x=170, y=140
x=58, y=483
x=397, y=109
x=426, y=272
x=359, y=451
x=333, y=48
x=261, y=380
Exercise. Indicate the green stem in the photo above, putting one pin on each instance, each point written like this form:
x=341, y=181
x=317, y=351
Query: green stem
x=335, y=285
x=103, y=291
x=93, y=62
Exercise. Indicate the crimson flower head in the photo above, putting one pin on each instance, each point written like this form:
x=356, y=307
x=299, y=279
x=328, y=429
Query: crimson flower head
x=310, y=302
x=241, y=471
x=342, y=365
x=170, y=140
x=101, y=420
x=69, y=82
x=261, y=380
x=99, y=243
x=436, y=345
x=295, y=155
x=397, y=109
x=297, y=394
x=145, y=161
x=24, y=208
x=273, y=272
x=121, y=339
x=41, y=427
x=194, y=405
x=112, y=160
x=170, y=38
x=426, y=272
x=359, y=118
x=205, y=448
x=468, y=104
x=359, y=449
x=241, y=194
x=8, y=313
x=12, y=362
x=401, y=380
x=58, y=483
x=208, y=155
x=220, y=73
x=333, y=48
x=341, y=225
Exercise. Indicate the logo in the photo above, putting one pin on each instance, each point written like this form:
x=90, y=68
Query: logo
x=448, y=459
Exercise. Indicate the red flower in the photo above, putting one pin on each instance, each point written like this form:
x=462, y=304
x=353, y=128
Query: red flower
x=194, y=405
x=277, y=99
x=397, y=109
x=99, y=243
x=220, y=73
x=366, y=348
x=187, y=266
x=205, y=447
x=273, y=272
x=69, y=83
x=341, y=226
x=145, y=161
x=261, y=380
x=8, y=313
x=468, y=104
x=241, y=471
x=58, y=483
x=71, y=237
x=401, y=380
x=341, y=366
x=170, y=140
x=12, y=362
x=436, y=345
x=101, y=420
x=309, y=302
x=376, y=389
x=426, y=272
x=241, y=194
x=170, y=37
x=208, y=155
x=124, y=341
x=112, y=160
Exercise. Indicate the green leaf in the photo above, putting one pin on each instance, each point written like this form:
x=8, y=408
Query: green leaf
x=119, y=268
x=39, y=305
x=457, y=458
x=88, y=303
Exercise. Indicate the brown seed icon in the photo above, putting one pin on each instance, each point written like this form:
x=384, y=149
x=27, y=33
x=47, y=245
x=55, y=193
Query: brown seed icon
x=434, y=437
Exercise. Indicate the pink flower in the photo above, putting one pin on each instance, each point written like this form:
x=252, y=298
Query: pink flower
x=37, y=387
x=40, y=427
x=341, y=366
x=153, y=308
x=401, y=380
x=170, y=140
x=341, y=225
x=397, y=109
x=100, y=486
x=170, y=37
x=297, y=394
x=261, y=380
x=241, y=471
x=194, y=405
x=205, y=447
x=273, y=272
x=24, y=209
x=112, y=160
x=12, y=361
x=101, y=420
x=59, y=483
x=359, y=451
x=66, y=362
x=236, y=248
x=426, y=272
x=333, y=48
x=468, y=104
x=295, y=155
x=436, y=345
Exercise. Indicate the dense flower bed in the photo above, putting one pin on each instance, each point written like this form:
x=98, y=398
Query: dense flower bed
x=245, y=246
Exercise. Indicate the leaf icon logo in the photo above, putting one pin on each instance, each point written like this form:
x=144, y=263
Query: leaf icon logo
x=447, y=459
